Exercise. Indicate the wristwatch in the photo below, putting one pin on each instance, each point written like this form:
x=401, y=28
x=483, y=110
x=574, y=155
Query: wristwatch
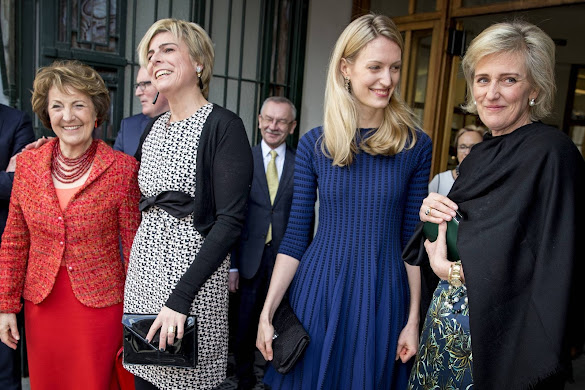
x=454, y=277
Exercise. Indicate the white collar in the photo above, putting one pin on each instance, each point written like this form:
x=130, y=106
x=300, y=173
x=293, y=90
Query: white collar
x=280, y=150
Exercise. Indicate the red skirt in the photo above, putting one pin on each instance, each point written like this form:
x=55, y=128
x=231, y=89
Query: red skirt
x=70, y=345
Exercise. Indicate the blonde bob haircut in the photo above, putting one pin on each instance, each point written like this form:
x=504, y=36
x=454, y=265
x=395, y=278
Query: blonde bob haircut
x=340, y=121
x=535, y=46
x=66, y=75
x=193, y=35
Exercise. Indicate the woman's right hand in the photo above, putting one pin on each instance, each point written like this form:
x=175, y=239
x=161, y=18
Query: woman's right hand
x=437, y=208
x=265, y=336
x=9, y=329
x=284, y=270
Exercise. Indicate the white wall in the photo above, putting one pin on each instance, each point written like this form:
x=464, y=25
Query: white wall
x=327, y=19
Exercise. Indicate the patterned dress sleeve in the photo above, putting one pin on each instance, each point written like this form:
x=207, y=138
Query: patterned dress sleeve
x=420, y=163
x=302, y=214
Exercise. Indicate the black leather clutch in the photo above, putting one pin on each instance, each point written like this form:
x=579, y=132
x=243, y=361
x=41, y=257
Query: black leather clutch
x=431, y=231
x=182, y=353
x=290, y=338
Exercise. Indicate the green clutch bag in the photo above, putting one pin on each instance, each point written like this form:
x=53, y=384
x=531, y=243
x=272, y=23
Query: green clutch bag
x=431, y=231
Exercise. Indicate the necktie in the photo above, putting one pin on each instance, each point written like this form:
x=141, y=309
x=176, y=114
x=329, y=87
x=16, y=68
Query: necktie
x=272, y=179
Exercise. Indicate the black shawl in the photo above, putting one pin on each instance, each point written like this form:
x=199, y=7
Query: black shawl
x=522, y=198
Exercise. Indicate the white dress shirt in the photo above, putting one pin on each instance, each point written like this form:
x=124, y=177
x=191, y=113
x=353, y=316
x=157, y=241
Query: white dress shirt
x=281, y=153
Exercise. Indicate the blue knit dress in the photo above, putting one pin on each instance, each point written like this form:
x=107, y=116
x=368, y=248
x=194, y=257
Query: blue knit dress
x=350, y=290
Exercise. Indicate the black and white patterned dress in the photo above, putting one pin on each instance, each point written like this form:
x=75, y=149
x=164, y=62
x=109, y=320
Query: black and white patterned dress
x=165, y=247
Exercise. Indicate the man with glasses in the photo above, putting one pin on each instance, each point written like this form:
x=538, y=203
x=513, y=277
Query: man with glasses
x=131, y=128
x=268, y=210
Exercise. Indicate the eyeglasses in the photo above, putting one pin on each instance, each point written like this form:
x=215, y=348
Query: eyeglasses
x=279, y=122
x=465, y=148
x=142, y=85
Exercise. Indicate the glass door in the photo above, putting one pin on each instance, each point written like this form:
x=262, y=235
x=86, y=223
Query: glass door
x=420, y=61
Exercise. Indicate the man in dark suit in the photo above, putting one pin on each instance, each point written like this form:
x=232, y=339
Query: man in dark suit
x=267, y=216
x=131, y=128
x=15, y=133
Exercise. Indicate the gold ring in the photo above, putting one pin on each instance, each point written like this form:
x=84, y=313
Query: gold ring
x=428, y=211
x=171, y=329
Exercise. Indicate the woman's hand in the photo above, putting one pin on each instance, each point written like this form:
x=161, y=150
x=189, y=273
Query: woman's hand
x=9, y=329
x=233, y=281
x=166, y=319
x=265, y=336
x=407, y=342
x=437, y=208
x=437, y=252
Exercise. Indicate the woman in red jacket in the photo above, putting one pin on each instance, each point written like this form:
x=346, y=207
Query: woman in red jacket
x=72, y=201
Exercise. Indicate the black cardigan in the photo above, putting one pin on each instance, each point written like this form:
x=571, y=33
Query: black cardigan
x=224, y=176
x=522, y=198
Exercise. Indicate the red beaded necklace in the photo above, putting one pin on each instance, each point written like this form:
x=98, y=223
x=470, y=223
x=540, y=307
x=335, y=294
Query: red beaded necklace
x=68, y=170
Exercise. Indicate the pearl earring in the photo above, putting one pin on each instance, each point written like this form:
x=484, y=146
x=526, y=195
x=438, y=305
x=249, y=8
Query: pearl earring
x=532, y=102
x=198, y=70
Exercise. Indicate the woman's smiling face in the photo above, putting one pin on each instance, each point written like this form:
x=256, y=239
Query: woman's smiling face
x=169, y=64
x=502, y=91
x=72, y=115
x=374, y=75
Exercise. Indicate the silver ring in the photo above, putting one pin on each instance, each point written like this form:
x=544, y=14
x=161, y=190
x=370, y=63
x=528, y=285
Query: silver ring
x=274, y=336
x=428, y=211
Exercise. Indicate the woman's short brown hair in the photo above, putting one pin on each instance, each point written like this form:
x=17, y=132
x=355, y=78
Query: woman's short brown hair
x=69, y=74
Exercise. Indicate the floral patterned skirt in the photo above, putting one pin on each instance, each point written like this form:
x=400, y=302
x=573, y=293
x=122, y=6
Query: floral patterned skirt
x=444, y=359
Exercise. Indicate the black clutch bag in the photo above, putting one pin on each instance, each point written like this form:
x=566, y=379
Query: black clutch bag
x=431, y=231
x=182, y=353
x=290, y=338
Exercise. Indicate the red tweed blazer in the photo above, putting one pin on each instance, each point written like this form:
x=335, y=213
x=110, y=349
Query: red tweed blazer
x=86, y=234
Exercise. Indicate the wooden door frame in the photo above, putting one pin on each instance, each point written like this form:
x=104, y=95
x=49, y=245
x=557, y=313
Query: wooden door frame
x=433, y=95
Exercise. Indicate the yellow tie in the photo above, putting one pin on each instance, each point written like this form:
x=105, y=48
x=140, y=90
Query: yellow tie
x=272, y=179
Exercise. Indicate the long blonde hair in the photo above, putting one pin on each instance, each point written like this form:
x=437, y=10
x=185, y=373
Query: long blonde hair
x=340, y=121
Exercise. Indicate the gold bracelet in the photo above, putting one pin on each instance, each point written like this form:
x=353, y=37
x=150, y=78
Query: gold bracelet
x=454, y=277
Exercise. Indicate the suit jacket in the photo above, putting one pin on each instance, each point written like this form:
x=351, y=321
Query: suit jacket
x=261, y=213
x=15, y=133
x=39, y=235
x=131, y=130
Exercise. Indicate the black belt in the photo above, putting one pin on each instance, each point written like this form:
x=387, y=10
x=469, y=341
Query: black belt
x=176, y=203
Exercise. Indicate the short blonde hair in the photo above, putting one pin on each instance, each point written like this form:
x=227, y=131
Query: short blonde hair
x=69, y=74
x=340, y=112
x=197, y=41
x=469, y=128
x=535, y=46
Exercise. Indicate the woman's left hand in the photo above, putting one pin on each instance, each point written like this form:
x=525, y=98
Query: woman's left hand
x=166, y=319
x=437, y=208
x=407, y=342
x=437, y=252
